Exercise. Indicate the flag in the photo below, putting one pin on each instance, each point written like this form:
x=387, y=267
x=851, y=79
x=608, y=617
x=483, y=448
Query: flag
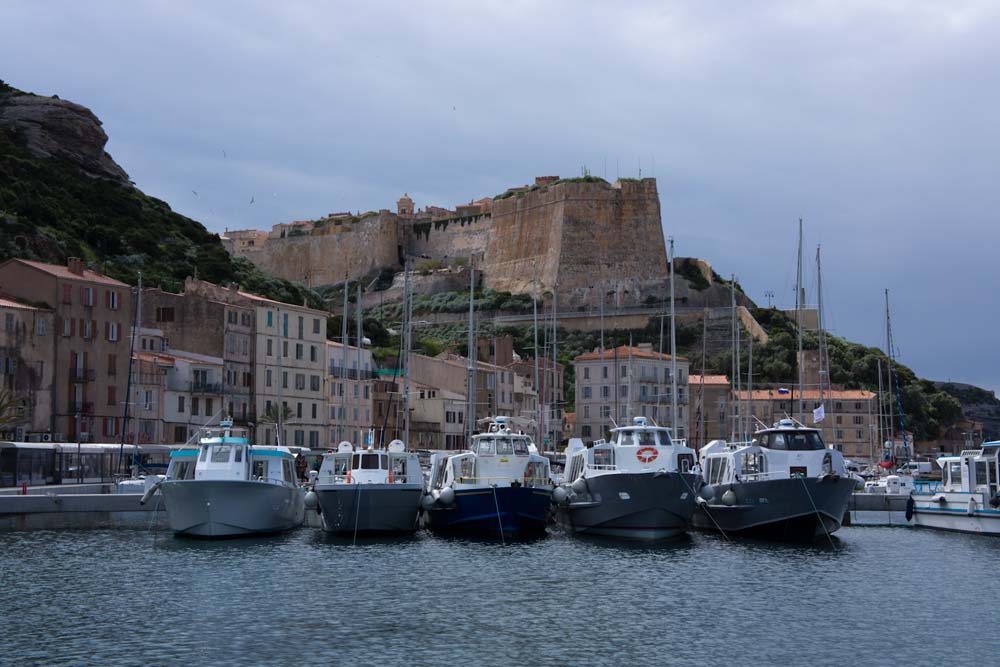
x=818, y=414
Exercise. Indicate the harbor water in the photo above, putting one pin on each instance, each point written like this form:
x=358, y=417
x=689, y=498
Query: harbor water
x=877, y=596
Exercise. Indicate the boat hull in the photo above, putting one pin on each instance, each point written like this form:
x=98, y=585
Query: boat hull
x=520, y=510
x=369, y=508
x=797, y=508
x=641, y=506
x=955, y=513
x=226, y=508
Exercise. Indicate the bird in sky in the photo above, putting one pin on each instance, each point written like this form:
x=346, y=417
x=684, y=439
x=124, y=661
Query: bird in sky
x=195, y=193
x=251, y=200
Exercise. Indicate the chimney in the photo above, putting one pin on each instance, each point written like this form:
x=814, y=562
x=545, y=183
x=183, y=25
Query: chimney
x=75, y=265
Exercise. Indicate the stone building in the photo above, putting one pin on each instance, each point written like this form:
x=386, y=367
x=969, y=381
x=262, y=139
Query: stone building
x=708, y=415
x=27, y=352
x=848, y=424
x=92, y=319
x=612, y=386
x=194, y=390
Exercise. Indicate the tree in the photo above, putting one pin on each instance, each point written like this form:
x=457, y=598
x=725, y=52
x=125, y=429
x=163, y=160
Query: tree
x=271, y=414
x=11, y=408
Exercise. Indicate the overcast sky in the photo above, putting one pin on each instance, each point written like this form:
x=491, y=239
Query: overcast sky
x=876, y=122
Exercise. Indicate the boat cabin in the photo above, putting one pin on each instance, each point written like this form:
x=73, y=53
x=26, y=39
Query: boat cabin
x=370, y=466
x=974, y=471
x=225, y=453
x=500, y=456
x=641, y=447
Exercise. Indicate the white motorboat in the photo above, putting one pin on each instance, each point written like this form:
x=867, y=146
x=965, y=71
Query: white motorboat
x=229, y=487
x=966, y=499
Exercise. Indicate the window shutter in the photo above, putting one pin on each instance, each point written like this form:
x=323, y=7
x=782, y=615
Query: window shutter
x=93, y=329
x=107, y=299
x=72, y=327
x=107, y=330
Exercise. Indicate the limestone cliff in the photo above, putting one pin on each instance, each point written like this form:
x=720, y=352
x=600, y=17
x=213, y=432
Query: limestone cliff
x=51, y=127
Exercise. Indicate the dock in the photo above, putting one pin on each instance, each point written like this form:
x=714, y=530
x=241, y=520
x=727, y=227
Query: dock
x=77, y=506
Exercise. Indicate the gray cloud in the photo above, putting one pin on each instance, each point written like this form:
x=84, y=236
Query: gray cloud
x=870, y=120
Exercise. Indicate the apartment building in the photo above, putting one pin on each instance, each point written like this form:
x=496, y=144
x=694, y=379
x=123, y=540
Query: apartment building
x=350, y=378
x=848, y=423
x=708, y=414
x=194, y=392
x=612, y=386
x=92, y=315
x=27, y=351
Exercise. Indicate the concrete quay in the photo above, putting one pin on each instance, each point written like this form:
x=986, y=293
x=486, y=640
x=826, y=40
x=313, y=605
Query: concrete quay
x=52, y=508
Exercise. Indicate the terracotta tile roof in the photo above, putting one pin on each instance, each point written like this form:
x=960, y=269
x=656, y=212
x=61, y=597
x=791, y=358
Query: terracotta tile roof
x=623, y=353
x=11, y=303
x=710, y=380
x=810, y=395
x=60, y=271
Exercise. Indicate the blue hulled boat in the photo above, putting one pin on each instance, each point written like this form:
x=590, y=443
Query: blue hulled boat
x=502, y=485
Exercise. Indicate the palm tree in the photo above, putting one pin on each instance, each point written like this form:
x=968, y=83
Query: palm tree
x=271, y=414
x=11, y=408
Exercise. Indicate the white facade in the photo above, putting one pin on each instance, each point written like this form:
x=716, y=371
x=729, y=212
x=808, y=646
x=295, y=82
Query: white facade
x=349, y=394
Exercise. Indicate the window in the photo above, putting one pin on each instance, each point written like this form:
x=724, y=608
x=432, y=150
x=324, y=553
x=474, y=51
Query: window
x=112, y=364
x=314, y=411
x=298, y=410
x=67, y=327
x=314, y=382
x=300, y=381
x=857, y=435
x=165, y=314
x=180, y=404
x=220, y=453
x=604, y=372
x=180, y=434
x=586, y=412
x=284, y=379
x=313, y=439
x=114, y=331
x=301, y=326
x=300, y=438
x=585, y=430
x=838, y=406
x=605, y=411
x=315, y=325
x=67, y=294
x=298, y=350
x=605, y=391
x=623, y=391
x=208, y=407
x=112, y=398
x=9, y=322
x=270, y=318
x=267, y=377
x=87, y=295
x=270, y=347
x=111, y=300
x=194, y=406
x=284, y=348
x=858, y=419
x=586, y=373
x=88, y=330
x=312, y=353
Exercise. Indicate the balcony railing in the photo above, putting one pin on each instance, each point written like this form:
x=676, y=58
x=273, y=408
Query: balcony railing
x=82, y=374
x=351, y=373
x=206, y=387
x=84, y=407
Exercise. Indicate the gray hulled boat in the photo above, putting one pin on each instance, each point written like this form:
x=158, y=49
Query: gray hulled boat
x=785, y=484
x=368, y=491
x=227, y=487
x=640, y=485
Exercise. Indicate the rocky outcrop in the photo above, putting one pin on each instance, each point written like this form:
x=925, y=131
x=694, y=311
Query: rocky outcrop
x=51, y=127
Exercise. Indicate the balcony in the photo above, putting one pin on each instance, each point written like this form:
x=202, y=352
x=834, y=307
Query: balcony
x=351, y=373
x=82, y=407
x=206, y=388
x=82, y=374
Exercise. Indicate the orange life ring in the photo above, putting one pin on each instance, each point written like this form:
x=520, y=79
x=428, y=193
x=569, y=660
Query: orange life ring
x=348, y=475
x=646, y=454
x=391, y=480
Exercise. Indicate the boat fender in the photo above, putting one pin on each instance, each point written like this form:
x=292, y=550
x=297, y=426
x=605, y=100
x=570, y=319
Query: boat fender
x=428, y=501
x=909, y=508
x=579, y=485
x=447, y=496
x=559, y=495
x=729, y=498
x=149, y=493
x=515, y=484
x=995, y=502
x=972, y=507
x=707, y=492
x=311, y=500
x=940, y=499
x=698, y=500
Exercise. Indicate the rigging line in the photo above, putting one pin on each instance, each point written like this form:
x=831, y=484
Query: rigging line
x=357, y=513
x=816, y=509
x=499, y=521
x=704, y=506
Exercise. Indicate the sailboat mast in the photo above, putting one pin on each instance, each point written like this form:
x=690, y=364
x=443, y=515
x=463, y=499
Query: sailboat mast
x=138, y=332
x=128, y=382
x=534, y=317
x=798, y=318
x=555, y=371
x=732, y=349
x=408, y=343
x=357, y=374
x=881, y=406
x=701, y=386
x=470, y=421
x=738, y=333
x=822, y=335
x=341, y=423
x=891, y=423
x=673, y=347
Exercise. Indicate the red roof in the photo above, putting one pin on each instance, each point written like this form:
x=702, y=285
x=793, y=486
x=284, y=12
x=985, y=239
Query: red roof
x=710, y=380
x=623, y=352
x=810, y=394
x=10, y=303
x=60, y=271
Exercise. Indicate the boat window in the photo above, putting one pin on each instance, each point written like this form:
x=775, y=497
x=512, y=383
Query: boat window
x=340, y=465
x=204, y=453
x=356, y=462
x=685, y=462
x=286, y=468
x=485, y=447
x=504, y=446
x=716, y=470
x=370, y=461
x=982, y=473
x=220, y=453
x=647, y=439
x=398, y=466
x=239, y=454
x=797, y=442
x=602, y=457
x=955, y=472
x=259, y=469
x=753, y=463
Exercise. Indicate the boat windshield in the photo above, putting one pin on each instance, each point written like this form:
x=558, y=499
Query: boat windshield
x=504, y=446
x=220, y=453
x=795, y=441
x=485, y=447
x=368, y=461
x=520, y=446
x=639, y=439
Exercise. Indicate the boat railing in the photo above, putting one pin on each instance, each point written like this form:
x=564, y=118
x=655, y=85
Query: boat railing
x=396, y=479
x=603, y=467
x=926, y=485
x=490, y=481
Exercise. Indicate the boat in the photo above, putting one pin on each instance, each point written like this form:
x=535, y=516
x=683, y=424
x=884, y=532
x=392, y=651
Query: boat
x=501, y=486
x=783, y=484
x=966, y=498
x=640, y=485
x=227, y=487
x=368, y=490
